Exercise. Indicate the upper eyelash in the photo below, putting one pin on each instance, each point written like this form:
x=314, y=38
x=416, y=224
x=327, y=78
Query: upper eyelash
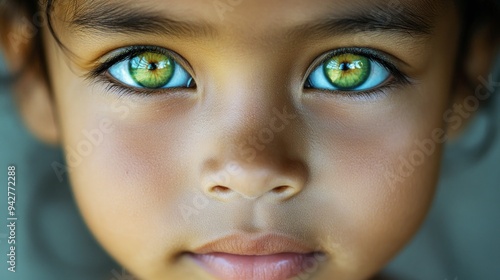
x=131, y=52
x=399, y=76
x=127, y=53
x=97, y=74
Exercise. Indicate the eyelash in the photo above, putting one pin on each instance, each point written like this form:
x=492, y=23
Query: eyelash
x=398, y=78
x=101, y=71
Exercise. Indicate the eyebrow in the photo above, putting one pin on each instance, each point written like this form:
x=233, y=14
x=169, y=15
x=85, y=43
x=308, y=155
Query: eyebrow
x=404, y=22
x=122, y=19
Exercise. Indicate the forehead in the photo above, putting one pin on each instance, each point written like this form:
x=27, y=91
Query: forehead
x=227, y=15
x=190, y=26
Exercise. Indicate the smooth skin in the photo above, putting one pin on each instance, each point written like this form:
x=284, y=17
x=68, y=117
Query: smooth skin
x=173, y=170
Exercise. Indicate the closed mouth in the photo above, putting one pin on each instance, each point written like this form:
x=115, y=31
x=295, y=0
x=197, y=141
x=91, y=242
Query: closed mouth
x=265, y=257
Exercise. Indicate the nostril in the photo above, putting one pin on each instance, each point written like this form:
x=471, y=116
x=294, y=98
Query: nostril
x=220, y=189
x=280, y=189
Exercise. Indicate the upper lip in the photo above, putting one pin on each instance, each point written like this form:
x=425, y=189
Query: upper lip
x=259, y=245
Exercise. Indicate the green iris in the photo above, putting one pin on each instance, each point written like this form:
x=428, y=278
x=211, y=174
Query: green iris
x=347, y=71
x=151, y=70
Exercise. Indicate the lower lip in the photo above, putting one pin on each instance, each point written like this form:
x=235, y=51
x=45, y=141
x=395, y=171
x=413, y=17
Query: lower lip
x=268, y=267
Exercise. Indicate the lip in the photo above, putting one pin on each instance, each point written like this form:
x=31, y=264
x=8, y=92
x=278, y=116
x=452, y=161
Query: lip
x=263, y=257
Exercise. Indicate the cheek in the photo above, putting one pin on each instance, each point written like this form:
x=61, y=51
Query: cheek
x=130, y=170
x=377, y=165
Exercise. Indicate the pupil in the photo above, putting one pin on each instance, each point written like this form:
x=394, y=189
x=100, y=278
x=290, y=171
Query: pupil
x=152, y=66
x=344, y=66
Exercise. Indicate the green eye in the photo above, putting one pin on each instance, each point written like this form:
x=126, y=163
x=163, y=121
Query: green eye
x=151, y=70
x=347, y=71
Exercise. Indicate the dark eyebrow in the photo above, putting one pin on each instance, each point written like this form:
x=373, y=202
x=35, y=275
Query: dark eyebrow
x=123, y=19
x=106, y=18
x=403, y=21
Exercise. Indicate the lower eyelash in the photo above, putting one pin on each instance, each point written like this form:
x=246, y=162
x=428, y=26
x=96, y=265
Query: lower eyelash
x=101, y=74
x=398, y=78
x=375, y=92
x=367, y=95
x=116, y=88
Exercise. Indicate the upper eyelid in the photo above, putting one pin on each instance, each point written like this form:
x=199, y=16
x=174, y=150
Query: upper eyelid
x=125, y=53
x=382, y=58
x=332, y=53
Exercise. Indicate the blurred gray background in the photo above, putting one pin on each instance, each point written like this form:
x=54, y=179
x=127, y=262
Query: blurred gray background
x=459, y=240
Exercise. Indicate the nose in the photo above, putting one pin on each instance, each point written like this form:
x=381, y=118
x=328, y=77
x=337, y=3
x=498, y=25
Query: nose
x=258, y=150
x=257, y=157
x=270, y=179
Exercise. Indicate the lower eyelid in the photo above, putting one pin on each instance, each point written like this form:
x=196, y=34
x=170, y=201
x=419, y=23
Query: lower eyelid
x=325, y=85
x=358, y=96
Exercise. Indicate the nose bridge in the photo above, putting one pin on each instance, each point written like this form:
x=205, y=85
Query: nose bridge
x=255, y=107
x=260, y=116
x=264, y=134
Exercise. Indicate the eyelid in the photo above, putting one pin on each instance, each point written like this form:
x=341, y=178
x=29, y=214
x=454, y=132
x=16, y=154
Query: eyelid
x=125, y=53
x=381, y=57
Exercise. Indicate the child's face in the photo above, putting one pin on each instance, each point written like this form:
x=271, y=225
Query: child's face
x=272, y=135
